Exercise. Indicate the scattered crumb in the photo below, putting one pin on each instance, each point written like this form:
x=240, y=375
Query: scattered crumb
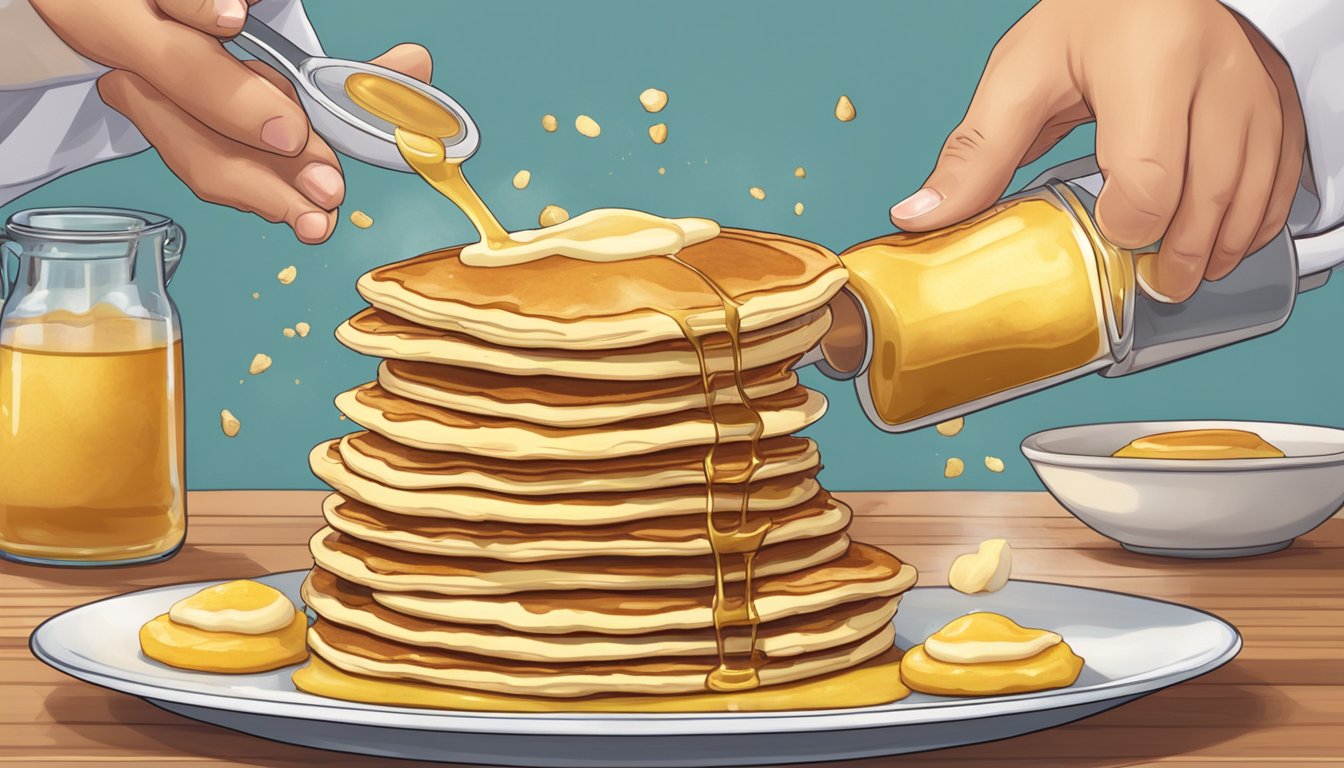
x=653, y=100
x=658, y=133
x=256, y=295
x=260, y=363
x=521, y=179
x=800, y=172
x=361, y=219
x=954, y=468
x=302, y=328
x=229, y=423
x=287, y=274
x=951, y=427
x=993, y=463
x=797, y=209
x=587, y=126
x=342, y=417
x=757, y=193
x=289, y=333
x=662, y=171
x=296, y=381
x=552, y=215
x=844, y=110
x=549, y=123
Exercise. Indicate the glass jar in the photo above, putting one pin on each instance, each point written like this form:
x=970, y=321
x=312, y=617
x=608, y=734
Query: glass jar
x=91, y=401
x=1024, y=296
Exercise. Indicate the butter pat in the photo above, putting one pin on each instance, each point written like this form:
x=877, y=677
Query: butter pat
x=246, y=607
x=987, y=570
x=981, y=638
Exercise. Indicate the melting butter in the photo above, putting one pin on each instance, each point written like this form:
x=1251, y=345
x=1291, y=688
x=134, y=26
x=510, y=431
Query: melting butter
x=1200, y=444
x=604, y=234
x=983, y=637
x=244, y=606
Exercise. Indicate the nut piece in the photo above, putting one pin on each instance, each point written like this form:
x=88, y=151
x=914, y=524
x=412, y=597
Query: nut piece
x=552, y=215
x=993, y=463
x=255, y=295
x=287, y=274
x=361, y=219
x=844, y=110
x=757, y=193
x=653, y=100
x=549, y=123
x=587, y=126
x=658, y=133
x=260, y=363
x=229, y=423
x=987, y=570
x=303, y=328
x=521, y=179
x=800, y=172
x=797, y=209
x=954, y=468
x=662, y=171
x=951, y=427
x=289, y=333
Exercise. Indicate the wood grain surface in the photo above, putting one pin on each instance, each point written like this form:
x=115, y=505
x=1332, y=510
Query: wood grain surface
x=1281, y=702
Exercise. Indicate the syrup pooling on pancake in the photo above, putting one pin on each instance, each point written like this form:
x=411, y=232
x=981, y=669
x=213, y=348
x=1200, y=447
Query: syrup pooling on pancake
x=605, y=234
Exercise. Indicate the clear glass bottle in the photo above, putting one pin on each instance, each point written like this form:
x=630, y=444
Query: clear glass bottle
x=91, y=396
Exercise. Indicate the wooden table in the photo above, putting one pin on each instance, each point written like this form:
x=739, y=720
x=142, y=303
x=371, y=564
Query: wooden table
x=1280, y=702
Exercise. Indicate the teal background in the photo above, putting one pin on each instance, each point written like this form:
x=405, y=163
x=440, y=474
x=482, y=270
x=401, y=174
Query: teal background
x=752, y=87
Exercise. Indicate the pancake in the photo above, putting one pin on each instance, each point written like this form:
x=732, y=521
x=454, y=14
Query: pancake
x=678, y=536
x=557, y=401
x=382, y=334
x=341, y=602
x=861, y=573
x=384, y=568
x=433, y=428
x=373, y=456
x=364, y=654
x=569, y=509
x=572, y=304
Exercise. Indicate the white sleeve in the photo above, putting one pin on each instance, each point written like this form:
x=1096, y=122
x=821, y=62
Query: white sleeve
x=1309, y=34
x=52, y=121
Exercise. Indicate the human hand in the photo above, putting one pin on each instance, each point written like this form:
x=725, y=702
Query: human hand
x=1200, y=134
x=232, y=131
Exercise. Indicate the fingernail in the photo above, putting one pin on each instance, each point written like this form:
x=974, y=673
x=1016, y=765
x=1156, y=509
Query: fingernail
x=283, y=133
x=1145, y=274
x=311, y=226
x=231, y=13
x=918, y=204
x=324, y=182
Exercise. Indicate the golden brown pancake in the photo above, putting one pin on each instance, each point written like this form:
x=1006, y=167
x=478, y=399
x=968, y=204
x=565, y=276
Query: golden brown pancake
x=569, y=509
x=678, y=536
x=390, y=463
x=361, y=653
x=434, y=428
x=382, y=334
x=561, y=303
x=861, y=573
x=347, y=604
x=384, y=568
x=558, y=401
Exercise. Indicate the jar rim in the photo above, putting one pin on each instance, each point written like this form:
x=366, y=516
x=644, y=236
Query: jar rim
x=93, y=224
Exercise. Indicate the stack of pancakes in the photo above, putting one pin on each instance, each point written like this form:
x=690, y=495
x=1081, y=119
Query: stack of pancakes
x=526, y=514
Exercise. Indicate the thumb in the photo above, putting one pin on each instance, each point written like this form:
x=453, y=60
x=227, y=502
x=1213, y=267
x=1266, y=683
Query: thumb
x=974, y=167
x=409, y=59
x=1019, y=93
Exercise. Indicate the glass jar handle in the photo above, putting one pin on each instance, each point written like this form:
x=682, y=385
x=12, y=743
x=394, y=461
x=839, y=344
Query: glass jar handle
x=7, y=247
x=173, y=246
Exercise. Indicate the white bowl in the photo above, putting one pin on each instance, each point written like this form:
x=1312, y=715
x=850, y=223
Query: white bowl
x=1189, y=507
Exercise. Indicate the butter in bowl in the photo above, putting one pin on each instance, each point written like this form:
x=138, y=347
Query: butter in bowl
x=1195, y=489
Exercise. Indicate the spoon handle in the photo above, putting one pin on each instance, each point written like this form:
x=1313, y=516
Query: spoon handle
x=272, y=48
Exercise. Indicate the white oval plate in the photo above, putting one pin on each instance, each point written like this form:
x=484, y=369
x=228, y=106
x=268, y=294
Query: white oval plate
x=1132, y=646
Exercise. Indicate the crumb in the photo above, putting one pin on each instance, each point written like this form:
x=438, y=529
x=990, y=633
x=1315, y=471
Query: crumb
x=552, y=215
x=797, y=209
x=587, y=126
x=302, y=328
x=521, y=179
x=361, y=219
x=658, y=133
x=287, y=274
x=289, y=333
x=951, y=427
x=800, y=172
x=260, y=363
x=757, y=193
x=653, y=100
x=954, y=468
x=549, y=123
x=844, y=110
x=229, y=423
x=993, y=463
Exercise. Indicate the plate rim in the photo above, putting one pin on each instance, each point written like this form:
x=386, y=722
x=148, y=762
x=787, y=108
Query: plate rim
x=642, y=724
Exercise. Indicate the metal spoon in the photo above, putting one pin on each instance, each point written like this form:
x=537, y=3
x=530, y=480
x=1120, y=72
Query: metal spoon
x=347, y=127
